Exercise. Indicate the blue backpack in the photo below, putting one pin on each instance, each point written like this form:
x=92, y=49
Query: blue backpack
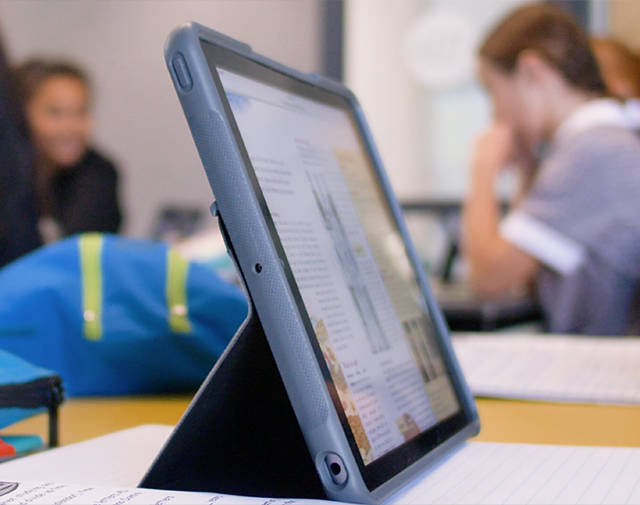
x=113, y=315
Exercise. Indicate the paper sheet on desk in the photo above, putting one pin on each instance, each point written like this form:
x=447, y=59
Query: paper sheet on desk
x=118, y=459
x=551, y=368
x=74, y=494
x=476, y=473
x=518, y=473
x=105, y=471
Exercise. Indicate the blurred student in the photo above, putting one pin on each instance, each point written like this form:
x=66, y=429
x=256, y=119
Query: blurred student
x=574, y=232
x=77, y=187
x=18, y=230
x=620, y=68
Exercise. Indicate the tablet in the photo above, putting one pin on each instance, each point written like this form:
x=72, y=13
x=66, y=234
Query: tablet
x=321, y=245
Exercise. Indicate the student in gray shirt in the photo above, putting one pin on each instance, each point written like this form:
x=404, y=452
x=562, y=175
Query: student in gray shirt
x=574, y=232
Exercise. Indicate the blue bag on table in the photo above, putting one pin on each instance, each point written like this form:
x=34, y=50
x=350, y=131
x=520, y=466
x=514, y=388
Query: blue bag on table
x=114, y=315
x=27, y=390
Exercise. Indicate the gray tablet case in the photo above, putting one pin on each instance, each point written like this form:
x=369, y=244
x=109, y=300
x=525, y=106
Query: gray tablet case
x=265, y=408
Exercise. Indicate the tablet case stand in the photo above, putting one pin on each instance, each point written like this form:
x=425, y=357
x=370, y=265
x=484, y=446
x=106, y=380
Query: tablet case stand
x=240, y=435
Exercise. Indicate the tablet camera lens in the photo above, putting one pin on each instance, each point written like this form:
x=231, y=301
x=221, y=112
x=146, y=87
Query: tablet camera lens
x=258, y=268
x=335, y=468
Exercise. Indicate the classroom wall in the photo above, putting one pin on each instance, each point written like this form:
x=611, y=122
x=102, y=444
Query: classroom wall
x=375, y=71
x=138, y=119
x=423, y=131
x=424, y=128
x=624, y=18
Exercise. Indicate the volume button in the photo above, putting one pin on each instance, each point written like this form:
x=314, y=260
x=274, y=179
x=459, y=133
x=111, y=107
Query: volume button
x=182, y=72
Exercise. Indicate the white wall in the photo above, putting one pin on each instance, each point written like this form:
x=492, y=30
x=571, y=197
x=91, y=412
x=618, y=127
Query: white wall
x=390, y=98
x=138, y=119
x=424, y=134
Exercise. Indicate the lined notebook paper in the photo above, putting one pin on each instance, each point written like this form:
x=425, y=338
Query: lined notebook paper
x=518, y=473
x=476, y=473
x=551, y=368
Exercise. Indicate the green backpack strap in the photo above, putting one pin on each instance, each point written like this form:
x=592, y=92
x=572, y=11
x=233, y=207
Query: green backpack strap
x=176, y=292
x=90, y=245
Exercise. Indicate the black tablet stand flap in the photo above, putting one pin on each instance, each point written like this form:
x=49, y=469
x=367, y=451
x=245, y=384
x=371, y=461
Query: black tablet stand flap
x=240, y=435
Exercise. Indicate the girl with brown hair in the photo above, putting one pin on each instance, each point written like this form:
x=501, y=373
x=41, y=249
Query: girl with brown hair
x=574, y=231
x=77, y=187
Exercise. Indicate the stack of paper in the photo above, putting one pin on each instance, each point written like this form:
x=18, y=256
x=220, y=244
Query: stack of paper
x=552, y=368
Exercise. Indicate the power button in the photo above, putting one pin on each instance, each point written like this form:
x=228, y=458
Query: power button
x=182, y=72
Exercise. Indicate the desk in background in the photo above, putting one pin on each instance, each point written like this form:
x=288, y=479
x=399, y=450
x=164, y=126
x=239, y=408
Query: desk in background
x=501, y=420
x=466, y=311
x=462, y=308
x=85, y=418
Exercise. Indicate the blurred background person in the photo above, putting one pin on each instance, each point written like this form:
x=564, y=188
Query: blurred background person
x=77, y=187
x=575, y=231
x=18, y=230
x=620, y=68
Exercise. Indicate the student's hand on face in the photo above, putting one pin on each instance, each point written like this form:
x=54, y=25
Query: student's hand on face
x=524, y=158
x=494, y=150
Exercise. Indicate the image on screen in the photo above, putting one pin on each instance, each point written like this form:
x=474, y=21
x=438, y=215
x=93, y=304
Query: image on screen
x=349, y=263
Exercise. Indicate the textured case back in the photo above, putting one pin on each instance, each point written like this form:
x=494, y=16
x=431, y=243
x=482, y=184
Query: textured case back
x=257, y=259
x=263, y=273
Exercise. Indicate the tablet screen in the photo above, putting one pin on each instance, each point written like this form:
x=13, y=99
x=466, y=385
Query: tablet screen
x=347, y=259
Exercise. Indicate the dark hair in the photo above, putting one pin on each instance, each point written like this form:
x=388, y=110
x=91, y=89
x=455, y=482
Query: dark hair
x=554, y=35
x=34, y=72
